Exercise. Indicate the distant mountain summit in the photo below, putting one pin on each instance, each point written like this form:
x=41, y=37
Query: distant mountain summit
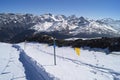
x=16, y=25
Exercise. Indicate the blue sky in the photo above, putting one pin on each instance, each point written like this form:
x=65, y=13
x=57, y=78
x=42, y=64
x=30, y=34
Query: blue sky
x=94, y=9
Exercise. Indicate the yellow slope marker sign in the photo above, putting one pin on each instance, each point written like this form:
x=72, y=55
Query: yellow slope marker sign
x=77, y=50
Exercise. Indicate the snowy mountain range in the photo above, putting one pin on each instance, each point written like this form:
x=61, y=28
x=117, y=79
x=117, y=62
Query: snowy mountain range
x=114, y=23
x=12, y=25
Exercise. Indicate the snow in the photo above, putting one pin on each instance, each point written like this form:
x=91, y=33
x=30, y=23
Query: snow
x=42, y=26
x=114, y=23
x=94, y=65
x=94, y=27
x=72, y=24
x=34, y=61
x=10, y=66
x=82, y=38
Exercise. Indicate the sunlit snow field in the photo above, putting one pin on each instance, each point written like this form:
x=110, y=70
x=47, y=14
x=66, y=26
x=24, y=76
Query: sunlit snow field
x=28, y=61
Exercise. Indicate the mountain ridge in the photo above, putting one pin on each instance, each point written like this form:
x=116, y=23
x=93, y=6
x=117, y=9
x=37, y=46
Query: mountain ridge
x=12, y=24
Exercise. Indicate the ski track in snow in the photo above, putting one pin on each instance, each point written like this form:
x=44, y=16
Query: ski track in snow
x=33, y=70
x=97, y=68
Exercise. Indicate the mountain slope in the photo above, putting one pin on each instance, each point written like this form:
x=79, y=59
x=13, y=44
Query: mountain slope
x=114, y=23
x=11, y=25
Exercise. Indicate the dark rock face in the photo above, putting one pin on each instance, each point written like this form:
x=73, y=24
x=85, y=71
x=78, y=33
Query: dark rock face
x=21, y=37
x=13, y=24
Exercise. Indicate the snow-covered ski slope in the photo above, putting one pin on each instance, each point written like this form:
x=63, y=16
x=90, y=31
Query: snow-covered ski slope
x=10, y=66
x=38, y=63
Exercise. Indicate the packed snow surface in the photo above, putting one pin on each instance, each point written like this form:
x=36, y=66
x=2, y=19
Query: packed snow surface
x=10, y=66
x=34, y=61
x=90, y=65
